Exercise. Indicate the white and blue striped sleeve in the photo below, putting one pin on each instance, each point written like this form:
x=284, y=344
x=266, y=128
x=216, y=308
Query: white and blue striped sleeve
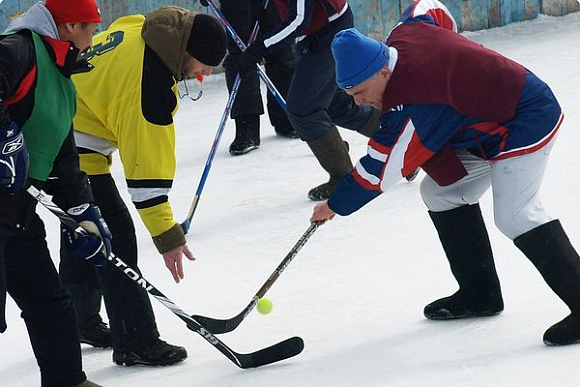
x=380, y=168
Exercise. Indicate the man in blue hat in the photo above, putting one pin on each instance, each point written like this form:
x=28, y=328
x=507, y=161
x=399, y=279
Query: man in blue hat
x=472, y=119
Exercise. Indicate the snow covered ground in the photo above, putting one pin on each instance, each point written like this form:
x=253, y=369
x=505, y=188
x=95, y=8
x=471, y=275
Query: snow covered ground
x=356, y=292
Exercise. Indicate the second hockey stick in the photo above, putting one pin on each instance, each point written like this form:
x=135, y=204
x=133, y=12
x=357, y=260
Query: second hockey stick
x=231, y=99
x=218, y=326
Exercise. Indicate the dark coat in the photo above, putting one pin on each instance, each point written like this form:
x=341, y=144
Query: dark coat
x=67, y=183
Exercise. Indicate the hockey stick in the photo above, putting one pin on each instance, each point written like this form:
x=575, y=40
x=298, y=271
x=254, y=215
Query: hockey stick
x=224, y=326
x=236, y=38
x=187, y=222
x=280, y=351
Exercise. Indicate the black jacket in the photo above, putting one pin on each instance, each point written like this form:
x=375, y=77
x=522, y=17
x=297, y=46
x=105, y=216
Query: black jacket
x=68, y=185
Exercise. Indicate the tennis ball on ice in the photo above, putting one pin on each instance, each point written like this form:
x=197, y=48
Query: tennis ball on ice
x=264, y=306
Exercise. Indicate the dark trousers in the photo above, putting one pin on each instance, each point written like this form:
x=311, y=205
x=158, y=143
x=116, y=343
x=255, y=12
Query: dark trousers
x=315, y=102
x=128, y=306
x=242, y=15
x=33, y=282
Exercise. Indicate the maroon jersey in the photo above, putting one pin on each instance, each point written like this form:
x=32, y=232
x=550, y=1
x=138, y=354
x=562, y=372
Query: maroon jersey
x=474, y=80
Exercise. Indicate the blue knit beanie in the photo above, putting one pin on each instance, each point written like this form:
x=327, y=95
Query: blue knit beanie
x=357, y=57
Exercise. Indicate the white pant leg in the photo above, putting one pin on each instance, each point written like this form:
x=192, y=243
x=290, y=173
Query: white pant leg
x=515, y=184
x=515, y=181
x=468, y=190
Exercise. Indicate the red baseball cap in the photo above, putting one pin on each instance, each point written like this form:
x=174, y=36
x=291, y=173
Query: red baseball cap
x=66, y=11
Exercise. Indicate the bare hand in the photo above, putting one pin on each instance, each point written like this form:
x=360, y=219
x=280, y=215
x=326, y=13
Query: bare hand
x=174, y=261
x=322, y=213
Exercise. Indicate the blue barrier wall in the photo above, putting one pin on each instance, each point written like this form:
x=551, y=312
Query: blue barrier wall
x=373, y=17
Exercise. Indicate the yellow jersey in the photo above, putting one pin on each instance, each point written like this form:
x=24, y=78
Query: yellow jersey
x=110, y=117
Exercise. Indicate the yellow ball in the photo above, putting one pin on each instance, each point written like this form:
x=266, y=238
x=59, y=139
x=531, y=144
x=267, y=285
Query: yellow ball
x=264, y=306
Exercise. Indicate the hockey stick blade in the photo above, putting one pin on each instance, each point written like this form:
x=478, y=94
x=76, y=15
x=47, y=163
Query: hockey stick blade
x=218, y=326
x=272, y=354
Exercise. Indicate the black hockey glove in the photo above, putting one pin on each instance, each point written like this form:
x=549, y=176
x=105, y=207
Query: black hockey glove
x=203, y=2
x=250, y=57
x=13, y=158
x=258, y=12
x=95, y=246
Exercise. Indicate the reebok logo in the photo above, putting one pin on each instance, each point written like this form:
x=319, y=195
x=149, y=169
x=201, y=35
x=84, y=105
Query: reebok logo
x=78, y=209
x=12, y=146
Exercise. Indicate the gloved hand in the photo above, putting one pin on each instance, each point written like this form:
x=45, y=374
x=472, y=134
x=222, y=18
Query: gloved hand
x=250, y=57
x=258, y=11
x=13, y=158
x=203, y=2
x=94, y=246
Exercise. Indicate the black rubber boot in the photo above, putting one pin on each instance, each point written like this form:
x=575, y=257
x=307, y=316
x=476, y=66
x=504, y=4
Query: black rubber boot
x=286, y=131
x=466, y=243
x=247, y=135
x=549, y=249
x=332, y=154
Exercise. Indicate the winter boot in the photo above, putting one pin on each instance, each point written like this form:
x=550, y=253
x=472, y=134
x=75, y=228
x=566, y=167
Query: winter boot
x=549, y=249
x=286, y=131
x=98, y=335
x=247, y=135
x=464, y=238
x=283, y=127
x=158, y=353
x=332, y=154
x=88, y=383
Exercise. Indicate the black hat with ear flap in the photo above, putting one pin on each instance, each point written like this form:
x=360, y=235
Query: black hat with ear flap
x=207, y=40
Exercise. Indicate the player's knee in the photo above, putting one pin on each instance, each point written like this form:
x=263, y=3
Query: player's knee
x=506, y=222
x=432, y=195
